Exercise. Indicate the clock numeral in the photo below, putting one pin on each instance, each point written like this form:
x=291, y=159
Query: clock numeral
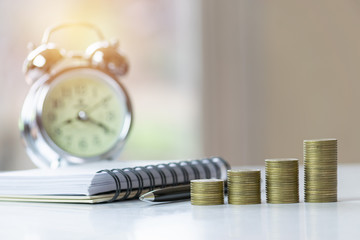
x=58, y=131
x=51, y=116
x=96, y=140
x=66, y=92
x=105, y=102
x=110, y=116
x=57, y=103
x=80, y=89
x=83, y=145
x=68, y=140
x=95, y=92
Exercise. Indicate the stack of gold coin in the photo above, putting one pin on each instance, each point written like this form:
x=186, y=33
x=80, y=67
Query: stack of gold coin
x=244, y=186
x=207, y=192
x=320, y=166
x=282, y=180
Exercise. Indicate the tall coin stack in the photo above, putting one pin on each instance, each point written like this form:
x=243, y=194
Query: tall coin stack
x=320, y=166
x=244, y=187
x=207, y=192
x=282, y=180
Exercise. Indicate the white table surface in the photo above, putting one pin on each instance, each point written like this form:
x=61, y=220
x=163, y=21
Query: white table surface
x=139, y=220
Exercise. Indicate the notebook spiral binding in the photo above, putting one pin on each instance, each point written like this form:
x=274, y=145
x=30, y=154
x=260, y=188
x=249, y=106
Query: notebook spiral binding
x=158, y=168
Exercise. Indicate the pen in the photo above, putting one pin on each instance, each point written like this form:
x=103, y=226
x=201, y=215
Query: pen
x=167, y=194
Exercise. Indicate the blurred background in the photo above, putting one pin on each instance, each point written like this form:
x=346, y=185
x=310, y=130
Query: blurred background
x=245, y=80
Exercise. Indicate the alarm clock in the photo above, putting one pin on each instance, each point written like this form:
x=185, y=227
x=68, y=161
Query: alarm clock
x=77, y=110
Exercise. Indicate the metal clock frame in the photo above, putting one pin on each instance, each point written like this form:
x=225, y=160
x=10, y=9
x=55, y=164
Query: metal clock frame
x=42, y=150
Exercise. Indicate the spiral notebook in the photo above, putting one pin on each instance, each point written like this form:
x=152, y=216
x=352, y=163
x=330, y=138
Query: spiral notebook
x=105, y=182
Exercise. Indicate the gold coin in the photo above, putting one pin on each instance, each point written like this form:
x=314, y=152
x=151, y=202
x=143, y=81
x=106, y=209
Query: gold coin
x=282, y=180
x=207, y=191
x=320, y=170
x=244, y=186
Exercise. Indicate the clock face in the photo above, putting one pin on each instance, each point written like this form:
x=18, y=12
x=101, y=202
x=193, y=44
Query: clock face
x=83, y=113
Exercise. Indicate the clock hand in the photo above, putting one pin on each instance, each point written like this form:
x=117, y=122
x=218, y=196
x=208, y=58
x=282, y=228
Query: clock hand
x=65, y=122
x=101, y=125
x=83, y=116
x=98, y=104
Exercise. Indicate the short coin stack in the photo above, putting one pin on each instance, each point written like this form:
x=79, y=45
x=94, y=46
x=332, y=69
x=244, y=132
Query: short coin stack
x=244, y=186
x=207, y=192
x=320, y=166
x=282, y=180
